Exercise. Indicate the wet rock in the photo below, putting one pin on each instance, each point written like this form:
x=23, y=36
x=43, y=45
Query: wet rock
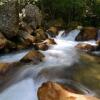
x=87, y=33
x=90, y=57
x=9, y=19
x=33, y=56
x=26, y=38
x=4, y=67
x=52, y=31
x=45, y=44
x=98, y=45
x=98, y=42
x=3, y=41
x=41, y=46
x=85, y=47
x=54, y=91
x=50, y=41
x=40, y=35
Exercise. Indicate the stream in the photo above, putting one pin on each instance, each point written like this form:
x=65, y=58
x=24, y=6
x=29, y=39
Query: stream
x=63, y=63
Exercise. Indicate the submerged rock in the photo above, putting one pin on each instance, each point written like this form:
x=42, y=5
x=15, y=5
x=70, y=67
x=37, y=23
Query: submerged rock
x=54, y=91
x=87, y=33
x=4, y=67
x=85, y=47
x=33, y=56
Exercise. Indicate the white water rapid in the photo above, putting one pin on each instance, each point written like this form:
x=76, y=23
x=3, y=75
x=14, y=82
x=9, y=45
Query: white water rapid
x=58, y=58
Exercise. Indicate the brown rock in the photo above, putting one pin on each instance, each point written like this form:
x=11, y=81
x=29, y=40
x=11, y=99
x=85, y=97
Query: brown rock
x=4, y=67
x=85, y=47
x=49, y=41
x=41, y=46
x=26, y=38
x=33, y=56
x=87, y=33
x=98, y=45
x=98, y=42
x=54, y=91
x=52, y=31
x=3, y=41
x=26, y=27
x=40, y=35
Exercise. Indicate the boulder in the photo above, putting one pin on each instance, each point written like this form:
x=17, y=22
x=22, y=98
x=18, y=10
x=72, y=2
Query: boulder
x=26, y=27
x=49, y=41
x=9, y=19
x=45, y=44
x=85, y=47
x=54, y=91
x=33, y=15
x=26, y=38
x=87, y=33
x=33, y=56
x=41, y=46
x=3, y=41
x=98, y=42
x=40, y=35
x=52, y=31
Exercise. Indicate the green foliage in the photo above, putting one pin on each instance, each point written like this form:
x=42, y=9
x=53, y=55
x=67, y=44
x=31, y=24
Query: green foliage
x=70, y=10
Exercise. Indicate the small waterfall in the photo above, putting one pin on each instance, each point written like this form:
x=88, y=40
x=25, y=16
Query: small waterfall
x=60, y=35
x=70, y=37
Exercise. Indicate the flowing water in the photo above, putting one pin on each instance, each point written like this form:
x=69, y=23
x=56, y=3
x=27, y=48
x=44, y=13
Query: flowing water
x=63, y=63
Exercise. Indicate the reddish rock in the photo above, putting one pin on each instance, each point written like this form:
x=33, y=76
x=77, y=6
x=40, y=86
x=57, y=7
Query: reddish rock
x=87, y=33
x=54, y=91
